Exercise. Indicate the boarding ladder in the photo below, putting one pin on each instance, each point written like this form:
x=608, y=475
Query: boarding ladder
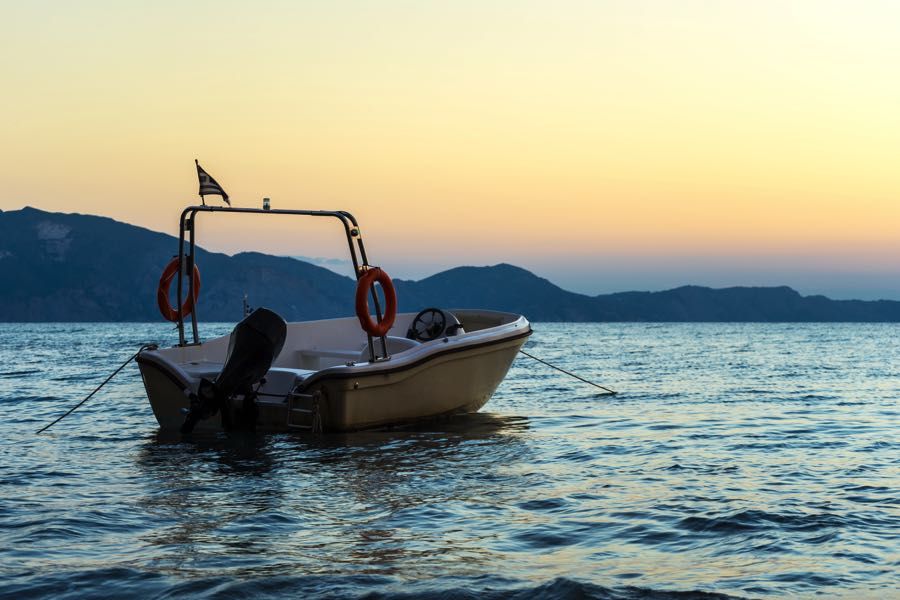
x=303, y=411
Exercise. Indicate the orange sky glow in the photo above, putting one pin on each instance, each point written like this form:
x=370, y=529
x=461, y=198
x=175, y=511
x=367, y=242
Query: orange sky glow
x=605, y=145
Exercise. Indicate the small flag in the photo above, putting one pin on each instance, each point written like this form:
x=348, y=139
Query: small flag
x=209, y=186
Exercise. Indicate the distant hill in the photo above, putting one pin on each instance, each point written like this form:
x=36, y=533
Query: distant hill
x=72, y=267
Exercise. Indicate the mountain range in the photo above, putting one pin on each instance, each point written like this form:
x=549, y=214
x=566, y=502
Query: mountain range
x=74, y=267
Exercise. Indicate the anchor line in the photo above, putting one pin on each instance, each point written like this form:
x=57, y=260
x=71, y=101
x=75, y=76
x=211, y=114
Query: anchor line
x=97, y=389
x=608, y=391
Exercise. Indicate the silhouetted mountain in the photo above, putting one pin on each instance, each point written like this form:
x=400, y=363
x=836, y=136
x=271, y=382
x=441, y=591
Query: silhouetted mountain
x=753, y=304
x=501, y=287
x=71, y=267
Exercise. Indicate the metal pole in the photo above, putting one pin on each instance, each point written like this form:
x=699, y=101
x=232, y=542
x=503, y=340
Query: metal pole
x=191, y=280
x=362, y=252
x=180, y=320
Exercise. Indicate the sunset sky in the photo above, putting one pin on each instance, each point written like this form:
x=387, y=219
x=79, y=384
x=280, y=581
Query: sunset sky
x=603, y=145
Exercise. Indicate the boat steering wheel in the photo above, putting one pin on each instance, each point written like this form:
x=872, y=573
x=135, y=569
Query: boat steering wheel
x=428, y=325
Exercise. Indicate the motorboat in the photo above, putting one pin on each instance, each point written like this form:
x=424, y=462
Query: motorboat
x=344, y=374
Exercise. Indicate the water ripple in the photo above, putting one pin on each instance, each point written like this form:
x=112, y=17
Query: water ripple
x=745, y=459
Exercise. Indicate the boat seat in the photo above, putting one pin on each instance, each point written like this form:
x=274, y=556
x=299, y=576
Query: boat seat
x=281, y=381
x=395, y=345
x=322, y=358
x=202, y=369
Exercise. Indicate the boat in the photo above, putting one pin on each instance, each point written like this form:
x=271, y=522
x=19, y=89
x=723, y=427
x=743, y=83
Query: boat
x=343, y=374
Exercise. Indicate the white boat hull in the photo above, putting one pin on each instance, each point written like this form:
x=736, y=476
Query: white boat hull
x=313, y=386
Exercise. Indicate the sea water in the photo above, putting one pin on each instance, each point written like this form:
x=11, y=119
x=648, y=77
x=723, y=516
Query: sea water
x=752, y=460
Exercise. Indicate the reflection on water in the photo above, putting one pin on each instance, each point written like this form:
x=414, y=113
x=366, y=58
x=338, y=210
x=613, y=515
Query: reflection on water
x=755, y=460
x=244, y=500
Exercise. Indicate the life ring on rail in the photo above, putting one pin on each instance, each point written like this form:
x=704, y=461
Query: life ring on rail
x=162, y=293
x=363, y=287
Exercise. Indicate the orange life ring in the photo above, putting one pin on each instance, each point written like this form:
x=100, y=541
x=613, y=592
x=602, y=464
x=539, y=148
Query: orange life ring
x=363, y=287
x=162, y=293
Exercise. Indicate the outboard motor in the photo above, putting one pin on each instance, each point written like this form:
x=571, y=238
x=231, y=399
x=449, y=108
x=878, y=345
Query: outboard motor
x=254, y=344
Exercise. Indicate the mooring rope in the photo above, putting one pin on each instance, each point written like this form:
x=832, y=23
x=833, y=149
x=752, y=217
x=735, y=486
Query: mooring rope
x=597, y=385
x=97, y=389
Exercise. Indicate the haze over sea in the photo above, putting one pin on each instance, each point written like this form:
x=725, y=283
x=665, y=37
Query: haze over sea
x=754, y=460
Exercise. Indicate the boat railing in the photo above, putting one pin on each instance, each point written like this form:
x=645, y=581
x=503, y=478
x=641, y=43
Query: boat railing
x=188, y=229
